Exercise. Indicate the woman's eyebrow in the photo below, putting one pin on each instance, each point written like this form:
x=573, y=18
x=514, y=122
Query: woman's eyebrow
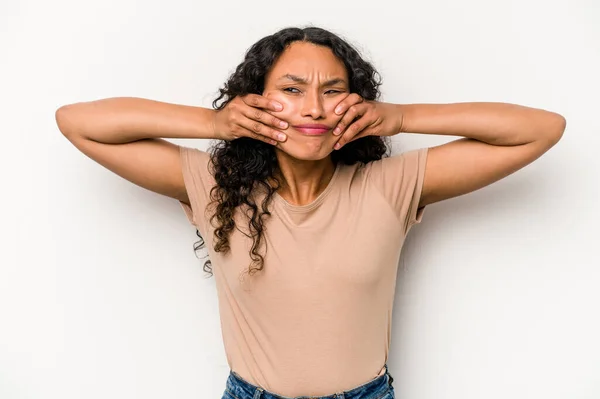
x=334, y=81
x=299, y=79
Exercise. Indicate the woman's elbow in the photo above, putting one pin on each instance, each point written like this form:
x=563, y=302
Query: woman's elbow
x=555, y=128
x=65, y=119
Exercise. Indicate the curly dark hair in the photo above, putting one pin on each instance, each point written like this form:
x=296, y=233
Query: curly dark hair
x=244, y=165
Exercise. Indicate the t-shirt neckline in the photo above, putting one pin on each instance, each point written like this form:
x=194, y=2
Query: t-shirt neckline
x=317, y=201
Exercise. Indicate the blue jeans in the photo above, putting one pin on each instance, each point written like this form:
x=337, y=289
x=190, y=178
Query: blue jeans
x=379, y=388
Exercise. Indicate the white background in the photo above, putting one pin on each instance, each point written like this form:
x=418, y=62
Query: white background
x=101, y=295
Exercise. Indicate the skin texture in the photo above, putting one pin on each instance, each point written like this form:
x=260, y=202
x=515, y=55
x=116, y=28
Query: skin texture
x=305, y=160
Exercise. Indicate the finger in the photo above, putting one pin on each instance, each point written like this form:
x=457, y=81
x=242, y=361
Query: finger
x=243, y=132
x=349, y=101
x=263, y=117
x=256, y=101
x=357, y=129
x=257, y=128
x=355, y=111
x=345, y=138
x=353, y=133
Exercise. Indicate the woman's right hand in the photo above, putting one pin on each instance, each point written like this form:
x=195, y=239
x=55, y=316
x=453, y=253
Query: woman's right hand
x=247, y=116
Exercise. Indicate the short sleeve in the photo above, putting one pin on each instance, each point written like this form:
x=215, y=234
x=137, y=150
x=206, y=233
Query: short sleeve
x=198, y=183
x=400, y=178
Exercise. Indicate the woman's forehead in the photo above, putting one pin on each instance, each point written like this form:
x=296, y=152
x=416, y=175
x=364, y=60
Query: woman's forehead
x=308, y=61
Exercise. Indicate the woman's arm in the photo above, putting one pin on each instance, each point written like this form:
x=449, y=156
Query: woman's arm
x=123, y=120
x=125, y=135
x=493, y=123
x=499, y=139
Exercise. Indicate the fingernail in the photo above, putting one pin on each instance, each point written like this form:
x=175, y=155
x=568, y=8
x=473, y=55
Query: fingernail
x=337, y=146
x=281, y=136
x=338, y=110
x=336, y=131
x=283, y=124
x=277, y=106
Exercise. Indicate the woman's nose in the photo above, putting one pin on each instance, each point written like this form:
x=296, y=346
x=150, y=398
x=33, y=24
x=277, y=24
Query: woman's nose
x=313, y=106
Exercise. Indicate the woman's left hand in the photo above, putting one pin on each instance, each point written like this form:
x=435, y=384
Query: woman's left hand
x=365, y=118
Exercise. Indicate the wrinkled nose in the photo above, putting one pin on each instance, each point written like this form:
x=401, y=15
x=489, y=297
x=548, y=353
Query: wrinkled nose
x=313, y=106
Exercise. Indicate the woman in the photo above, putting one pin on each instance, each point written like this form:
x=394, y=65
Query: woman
x=303, y=214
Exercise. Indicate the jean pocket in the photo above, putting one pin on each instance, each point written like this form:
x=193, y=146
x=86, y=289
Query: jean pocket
x=389, y=394
x=228, y=395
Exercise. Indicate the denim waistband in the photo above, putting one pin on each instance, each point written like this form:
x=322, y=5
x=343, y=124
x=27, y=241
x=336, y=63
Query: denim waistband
x=374, y=389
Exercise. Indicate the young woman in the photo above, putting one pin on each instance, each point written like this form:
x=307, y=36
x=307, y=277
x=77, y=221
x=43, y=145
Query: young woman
x=302, y=211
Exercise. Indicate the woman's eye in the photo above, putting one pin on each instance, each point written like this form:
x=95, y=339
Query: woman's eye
x=332, y=92
x=291, y=90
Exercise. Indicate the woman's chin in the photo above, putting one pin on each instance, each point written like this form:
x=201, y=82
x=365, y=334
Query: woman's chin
x=306, y=152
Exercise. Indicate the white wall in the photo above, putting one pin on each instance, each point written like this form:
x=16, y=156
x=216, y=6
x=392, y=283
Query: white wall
x=101, y=294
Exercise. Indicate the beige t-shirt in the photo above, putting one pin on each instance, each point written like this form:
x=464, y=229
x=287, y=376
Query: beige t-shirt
x=317, y=319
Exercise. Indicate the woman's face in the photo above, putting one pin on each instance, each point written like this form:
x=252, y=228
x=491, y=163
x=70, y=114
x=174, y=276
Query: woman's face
x=309, y=81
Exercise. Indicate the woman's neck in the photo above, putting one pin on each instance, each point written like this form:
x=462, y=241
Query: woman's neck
x=303, y=181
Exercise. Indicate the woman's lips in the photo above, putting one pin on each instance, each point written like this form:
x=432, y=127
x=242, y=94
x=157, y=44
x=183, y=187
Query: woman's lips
x=312, y=130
